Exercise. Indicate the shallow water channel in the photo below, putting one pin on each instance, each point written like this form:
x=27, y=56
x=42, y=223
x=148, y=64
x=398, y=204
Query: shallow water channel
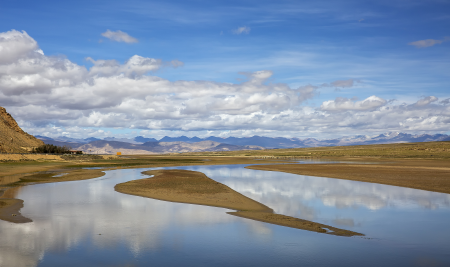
x=87, y=223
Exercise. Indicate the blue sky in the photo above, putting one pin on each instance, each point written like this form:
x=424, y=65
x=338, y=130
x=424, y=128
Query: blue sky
x=344, y=67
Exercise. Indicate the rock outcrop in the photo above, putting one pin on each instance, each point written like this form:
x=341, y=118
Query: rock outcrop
x=12, y=138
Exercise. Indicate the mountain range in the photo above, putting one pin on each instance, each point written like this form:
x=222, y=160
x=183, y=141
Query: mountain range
x=167, y=144
x=14, y=140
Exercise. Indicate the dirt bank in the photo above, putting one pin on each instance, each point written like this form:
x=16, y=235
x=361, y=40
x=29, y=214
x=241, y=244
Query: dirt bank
x=196, y=188
x=418, y=174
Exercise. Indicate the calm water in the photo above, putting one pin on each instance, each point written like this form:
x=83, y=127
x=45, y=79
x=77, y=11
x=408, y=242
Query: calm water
x=87, y=223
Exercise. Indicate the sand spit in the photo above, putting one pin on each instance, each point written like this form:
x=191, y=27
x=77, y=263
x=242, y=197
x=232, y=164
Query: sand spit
x=424, y=175
x=189, y=187
x=196, y=188
x=292, y=222
x=9, y=211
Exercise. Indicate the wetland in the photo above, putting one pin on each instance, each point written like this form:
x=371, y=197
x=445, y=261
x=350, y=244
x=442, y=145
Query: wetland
x=212, y=210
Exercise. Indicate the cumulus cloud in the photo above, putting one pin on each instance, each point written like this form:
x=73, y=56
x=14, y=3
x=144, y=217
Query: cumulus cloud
x=136, y=65
x=119, y=36
x=112, y=94
x=428, y=42
x=345, y=104
x=308, y=91
x=43, y=92
x=425, y=101
x=242, y=30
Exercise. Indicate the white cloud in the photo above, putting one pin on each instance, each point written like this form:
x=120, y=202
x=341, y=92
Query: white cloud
x=241, y=30
x=119, y=36
x=428, y=42
x=345, y=104
x=425, y=101
x=43, y=92
x=14, y=45
x=136, y=65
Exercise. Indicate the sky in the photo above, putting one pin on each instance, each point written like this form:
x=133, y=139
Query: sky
x=320, y=69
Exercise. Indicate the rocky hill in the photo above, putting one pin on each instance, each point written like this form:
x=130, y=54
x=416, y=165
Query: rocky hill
x=12, y=138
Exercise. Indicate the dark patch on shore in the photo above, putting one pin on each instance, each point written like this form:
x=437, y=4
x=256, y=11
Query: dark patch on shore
x=9, y=211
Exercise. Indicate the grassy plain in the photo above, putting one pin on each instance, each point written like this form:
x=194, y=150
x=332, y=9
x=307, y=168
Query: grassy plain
x=425, y=150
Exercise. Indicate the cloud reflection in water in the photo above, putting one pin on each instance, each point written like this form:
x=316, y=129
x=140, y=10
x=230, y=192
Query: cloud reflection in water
x=91, y=213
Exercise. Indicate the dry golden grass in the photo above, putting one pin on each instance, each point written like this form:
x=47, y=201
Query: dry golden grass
x=427, y=150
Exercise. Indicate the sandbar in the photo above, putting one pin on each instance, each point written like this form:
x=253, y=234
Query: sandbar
x=196, y=188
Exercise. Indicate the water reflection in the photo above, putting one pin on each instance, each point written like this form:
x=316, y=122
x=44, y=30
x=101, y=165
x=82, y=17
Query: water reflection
x=90, y=221
x=280, y=189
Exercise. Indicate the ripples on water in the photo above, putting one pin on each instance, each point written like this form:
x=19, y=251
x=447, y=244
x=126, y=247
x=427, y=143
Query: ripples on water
x=87, y=223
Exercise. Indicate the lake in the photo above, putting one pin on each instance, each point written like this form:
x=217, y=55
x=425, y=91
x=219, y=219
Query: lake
x=87, y=223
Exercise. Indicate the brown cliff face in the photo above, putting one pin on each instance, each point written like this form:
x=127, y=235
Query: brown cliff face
x=12, y=138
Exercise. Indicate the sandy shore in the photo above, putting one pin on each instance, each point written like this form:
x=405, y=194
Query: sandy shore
x=418, y=174
x=196, y=188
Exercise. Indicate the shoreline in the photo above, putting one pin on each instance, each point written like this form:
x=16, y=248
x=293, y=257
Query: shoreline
x=423, y=174
x=10, y=206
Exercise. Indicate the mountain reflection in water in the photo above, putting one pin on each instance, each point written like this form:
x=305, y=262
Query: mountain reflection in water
x=88, y=223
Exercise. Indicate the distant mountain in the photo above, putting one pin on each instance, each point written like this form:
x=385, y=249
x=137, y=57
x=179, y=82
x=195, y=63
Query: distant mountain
x=126, y=140
x=281, y=142
x=190, y=144
x=181, y=139
x=67, y=139
x=112, y=147
x=60, y=143
x=267, y=142
x=141, y=139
